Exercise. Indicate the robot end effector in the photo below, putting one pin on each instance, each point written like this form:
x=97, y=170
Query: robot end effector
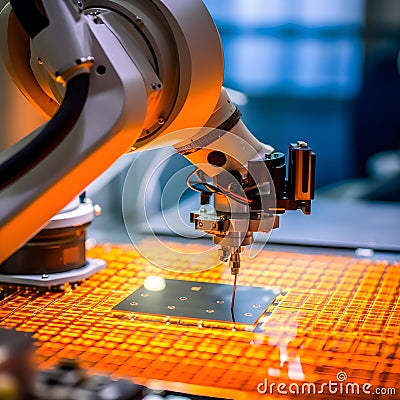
x=233, y=230
x=248, y=182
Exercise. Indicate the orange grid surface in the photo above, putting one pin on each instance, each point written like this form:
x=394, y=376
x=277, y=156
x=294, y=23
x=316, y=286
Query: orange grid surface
x=335, y=314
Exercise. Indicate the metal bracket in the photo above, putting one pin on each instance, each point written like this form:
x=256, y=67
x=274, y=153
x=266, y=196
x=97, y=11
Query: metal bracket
x=218, y=225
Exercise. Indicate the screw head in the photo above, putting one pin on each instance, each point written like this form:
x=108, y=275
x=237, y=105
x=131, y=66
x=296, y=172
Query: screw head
x=97, y=210
x=302, y=144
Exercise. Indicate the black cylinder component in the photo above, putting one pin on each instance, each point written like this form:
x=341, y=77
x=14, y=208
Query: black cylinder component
x=216, y=158
x=272, y=168
x=50, y=251
x=276, y=165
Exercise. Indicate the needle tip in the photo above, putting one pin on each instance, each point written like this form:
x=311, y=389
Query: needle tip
x=233, y=298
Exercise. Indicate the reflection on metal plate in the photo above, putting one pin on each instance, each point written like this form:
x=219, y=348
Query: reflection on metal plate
x=202, y=301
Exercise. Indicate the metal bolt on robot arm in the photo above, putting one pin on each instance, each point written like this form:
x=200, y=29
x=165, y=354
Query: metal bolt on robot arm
x=113, y=76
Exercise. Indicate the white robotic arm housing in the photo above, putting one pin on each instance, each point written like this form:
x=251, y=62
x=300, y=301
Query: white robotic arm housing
x=154, y=68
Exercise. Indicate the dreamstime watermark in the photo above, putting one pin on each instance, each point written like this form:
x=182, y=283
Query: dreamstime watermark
x=340, y=387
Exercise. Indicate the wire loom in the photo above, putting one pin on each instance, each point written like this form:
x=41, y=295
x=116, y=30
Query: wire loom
x=336, y=314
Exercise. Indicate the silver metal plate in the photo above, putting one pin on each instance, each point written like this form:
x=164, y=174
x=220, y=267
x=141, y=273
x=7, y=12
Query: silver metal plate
x=202, y=301
x=48, y=280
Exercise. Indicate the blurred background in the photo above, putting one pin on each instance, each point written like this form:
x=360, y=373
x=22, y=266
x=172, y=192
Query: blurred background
x=324, y=72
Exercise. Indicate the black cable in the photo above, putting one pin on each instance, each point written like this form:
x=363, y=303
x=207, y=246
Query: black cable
x=233, y=298
x=30, y=16
x=213, y=188
x=51, y=135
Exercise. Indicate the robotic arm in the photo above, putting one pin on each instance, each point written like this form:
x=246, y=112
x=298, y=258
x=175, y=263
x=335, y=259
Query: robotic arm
x=247, y=180
x=150, y=69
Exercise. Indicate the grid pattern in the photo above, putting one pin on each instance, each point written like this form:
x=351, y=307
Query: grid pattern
x=334, y=314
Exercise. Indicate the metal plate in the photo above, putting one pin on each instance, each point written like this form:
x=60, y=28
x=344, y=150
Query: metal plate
x=202, y=301
x=92, y=266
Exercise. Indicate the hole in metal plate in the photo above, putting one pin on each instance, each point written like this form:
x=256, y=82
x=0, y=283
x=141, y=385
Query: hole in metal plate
x=201, y=301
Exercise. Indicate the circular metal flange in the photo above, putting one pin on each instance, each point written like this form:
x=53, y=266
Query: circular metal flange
x=58, y=248
x=58, y=278
x=82, y=214
x=187, y=56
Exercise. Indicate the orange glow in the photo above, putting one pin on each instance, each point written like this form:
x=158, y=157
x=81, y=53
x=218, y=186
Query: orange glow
x=335, y=314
